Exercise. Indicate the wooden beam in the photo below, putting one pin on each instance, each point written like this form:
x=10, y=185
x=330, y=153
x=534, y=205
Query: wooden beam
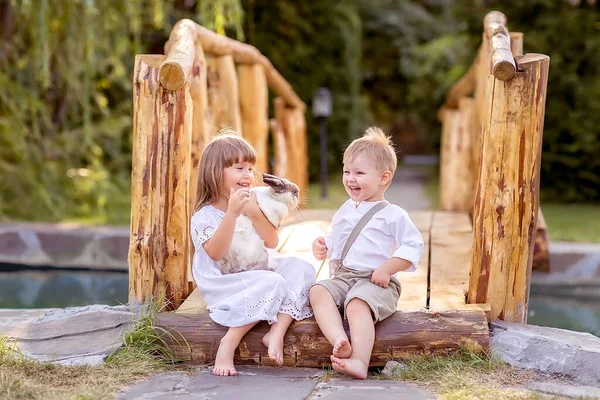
x=507, y=196
x=162, y=131
x=503, y=62
x=180, y=57
x=403, y=333
x=254, y=107
x=280, y=166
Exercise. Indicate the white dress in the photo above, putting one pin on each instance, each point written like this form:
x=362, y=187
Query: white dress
x=245, y=297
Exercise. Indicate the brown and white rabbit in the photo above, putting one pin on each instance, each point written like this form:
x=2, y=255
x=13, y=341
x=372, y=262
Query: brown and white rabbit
x=247, y=251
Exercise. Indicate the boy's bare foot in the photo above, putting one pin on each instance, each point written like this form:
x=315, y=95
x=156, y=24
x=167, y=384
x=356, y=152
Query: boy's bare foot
x=342, y=348
x=352, y=367
x=275, y=346
x=224, y=360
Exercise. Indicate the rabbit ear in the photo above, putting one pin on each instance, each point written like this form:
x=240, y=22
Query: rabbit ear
x=275, y=183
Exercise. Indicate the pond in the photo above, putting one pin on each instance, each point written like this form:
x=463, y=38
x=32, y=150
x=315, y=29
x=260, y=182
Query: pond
x=50, y=288
x=47, y=288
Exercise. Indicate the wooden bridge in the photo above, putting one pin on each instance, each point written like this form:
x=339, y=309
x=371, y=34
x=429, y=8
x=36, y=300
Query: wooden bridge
x=479, y=248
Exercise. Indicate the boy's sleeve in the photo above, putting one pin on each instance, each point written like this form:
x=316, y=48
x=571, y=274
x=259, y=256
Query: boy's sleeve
x=409, y=241
x=202, y=227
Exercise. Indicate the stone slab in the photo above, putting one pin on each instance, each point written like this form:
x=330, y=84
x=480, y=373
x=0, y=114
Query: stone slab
x=575, y=354
x=71, y=336
x=252, y=383
x=342, y=389
x=64, y=245
x=570, y=391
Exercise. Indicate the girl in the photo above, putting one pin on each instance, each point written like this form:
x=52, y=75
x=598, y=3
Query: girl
x=241, y=300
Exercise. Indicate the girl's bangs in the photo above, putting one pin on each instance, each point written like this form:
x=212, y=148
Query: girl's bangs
x=238, y=151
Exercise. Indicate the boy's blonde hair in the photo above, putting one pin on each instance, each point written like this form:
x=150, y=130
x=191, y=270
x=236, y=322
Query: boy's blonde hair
x=226, y=149
x=376, y=145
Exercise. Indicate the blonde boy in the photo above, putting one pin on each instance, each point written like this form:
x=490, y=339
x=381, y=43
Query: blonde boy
x=364, y=285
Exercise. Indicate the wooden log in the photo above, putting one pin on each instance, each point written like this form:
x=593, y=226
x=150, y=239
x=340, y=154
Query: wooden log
x=507, y=196
x=456, y=169
x=223, y=93
x=158, y=249
x=181, y=55
x=404, y=333
x=176, y=68
x=293, y=122
x=503, y=62
x=201, y=127
x=254, y=106
x=541, y=253
x=279, y=149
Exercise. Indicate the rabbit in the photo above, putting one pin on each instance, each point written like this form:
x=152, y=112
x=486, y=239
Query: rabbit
x=247, y=251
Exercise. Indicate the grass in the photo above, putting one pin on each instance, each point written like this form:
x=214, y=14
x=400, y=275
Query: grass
x=466, y=374
x=143, y=354
x=573, y=222
x=336, y=194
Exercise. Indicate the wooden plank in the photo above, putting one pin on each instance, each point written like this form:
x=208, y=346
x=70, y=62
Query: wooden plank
x=414, y=284
x=401, y=334
x=451, y=248
x=422, y=220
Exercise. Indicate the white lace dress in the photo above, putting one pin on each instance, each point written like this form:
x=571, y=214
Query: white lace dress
x=245, y=297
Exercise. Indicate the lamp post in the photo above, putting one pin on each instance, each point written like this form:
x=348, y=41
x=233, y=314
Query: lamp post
x=321, y=108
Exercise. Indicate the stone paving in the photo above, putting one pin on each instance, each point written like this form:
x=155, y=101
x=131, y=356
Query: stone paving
x=261, y=383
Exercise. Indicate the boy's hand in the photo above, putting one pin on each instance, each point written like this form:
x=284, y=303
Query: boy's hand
x=381, y=278
x=237, y=200
x=319, y=248
x=251, y=209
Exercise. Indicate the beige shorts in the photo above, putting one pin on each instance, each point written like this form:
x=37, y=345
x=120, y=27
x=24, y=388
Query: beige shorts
x=348, y=285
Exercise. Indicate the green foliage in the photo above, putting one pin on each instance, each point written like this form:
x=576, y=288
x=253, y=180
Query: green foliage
x=65, y=103
x=312, y=44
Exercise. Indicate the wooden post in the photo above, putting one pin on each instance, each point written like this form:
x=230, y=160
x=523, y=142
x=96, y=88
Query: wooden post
x=279, y=149
x=507, y=196
x=254, y=105
x=293, y=123
x=223, y=93
x=201, y=128
x=158, y=249
x=449, y=127
x=541, y=253
x=516, y=43
x=456, y=172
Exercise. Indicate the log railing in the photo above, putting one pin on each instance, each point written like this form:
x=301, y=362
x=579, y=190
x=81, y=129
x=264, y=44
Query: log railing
x=490, y=165
x=203, y=82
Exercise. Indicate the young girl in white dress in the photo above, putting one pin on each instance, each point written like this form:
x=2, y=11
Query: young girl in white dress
x=240, y=300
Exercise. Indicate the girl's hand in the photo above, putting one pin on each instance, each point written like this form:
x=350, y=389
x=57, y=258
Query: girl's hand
x=319, y=248
x=251, y=209
x=237, y=200
x=381, y=277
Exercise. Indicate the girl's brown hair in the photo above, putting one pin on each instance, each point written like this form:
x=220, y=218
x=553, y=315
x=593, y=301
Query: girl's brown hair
x=226, y=149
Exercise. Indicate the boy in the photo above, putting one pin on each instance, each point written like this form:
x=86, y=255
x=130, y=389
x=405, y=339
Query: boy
x=364, y=283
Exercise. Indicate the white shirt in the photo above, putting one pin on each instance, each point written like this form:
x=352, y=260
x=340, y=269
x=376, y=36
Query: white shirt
x=390, y=233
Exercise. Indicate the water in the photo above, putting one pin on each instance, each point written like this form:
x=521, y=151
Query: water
x=560, y=312
x=61, y=288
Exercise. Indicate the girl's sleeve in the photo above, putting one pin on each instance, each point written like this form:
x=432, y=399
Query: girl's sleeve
x=203, y=226
x=409, y=241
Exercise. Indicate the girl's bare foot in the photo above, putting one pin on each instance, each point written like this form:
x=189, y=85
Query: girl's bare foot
x=275, y=346
x=354, y=368
x=224, y=360
x=342, y=348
